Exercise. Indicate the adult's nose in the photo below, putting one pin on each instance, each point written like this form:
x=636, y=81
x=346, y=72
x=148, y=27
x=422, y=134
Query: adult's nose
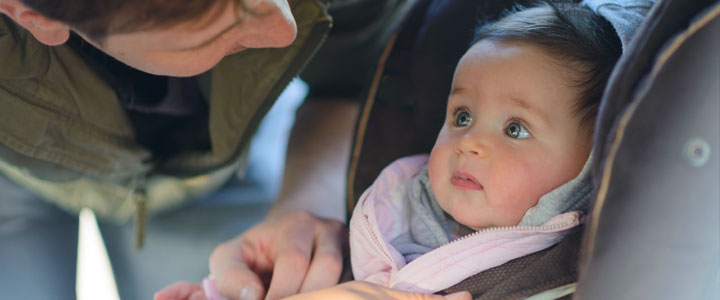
x=267, y=24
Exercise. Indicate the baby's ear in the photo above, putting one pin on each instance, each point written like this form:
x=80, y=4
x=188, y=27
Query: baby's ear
x=44, y=29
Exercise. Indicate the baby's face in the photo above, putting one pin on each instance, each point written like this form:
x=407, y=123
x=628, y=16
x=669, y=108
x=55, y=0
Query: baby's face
x=510, y=135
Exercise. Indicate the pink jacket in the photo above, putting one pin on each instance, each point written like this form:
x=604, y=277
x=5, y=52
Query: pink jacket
x=374, y=223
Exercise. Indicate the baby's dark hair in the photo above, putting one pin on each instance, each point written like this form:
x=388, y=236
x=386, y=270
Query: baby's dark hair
x=575, y=36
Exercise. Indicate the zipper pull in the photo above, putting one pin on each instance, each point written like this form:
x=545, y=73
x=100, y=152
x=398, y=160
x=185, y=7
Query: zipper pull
x=140, y=215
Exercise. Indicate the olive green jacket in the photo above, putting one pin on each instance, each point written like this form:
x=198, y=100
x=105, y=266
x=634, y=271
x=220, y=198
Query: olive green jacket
x=64, y=135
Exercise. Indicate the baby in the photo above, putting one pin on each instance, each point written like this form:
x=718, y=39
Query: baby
x=508, y=172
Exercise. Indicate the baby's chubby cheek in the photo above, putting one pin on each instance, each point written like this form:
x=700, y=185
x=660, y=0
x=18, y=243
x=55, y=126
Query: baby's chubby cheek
x=519, y=195
x=515, y=211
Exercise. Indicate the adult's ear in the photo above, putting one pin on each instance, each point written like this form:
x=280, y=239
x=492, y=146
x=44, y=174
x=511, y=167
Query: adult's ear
x=44, y=29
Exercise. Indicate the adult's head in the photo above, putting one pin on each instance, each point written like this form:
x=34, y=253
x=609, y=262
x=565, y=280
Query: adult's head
x=159, y=36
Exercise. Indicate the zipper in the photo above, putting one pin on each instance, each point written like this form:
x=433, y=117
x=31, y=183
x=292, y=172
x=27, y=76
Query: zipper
x=375, y=239
x=139, y=196
x=554, y=227
x=510, y=228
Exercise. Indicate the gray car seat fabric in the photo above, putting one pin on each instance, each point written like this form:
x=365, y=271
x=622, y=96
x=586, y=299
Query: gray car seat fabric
x=625, y=16
x=655, y=232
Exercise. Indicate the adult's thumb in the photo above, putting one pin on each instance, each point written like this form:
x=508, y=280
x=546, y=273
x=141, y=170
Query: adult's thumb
x=239, y=283
x=232, y=276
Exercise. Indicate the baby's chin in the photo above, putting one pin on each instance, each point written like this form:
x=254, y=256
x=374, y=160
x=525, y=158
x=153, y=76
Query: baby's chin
x=471, y=223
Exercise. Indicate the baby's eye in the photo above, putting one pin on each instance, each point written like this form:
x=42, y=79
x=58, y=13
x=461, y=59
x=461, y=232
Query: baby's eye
x=517, y=131
x=462, y=118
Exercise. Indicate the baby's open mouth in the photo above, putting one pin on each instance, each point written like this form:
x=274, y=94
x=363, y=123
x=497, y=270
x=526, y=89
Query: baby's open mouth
x=465, y=181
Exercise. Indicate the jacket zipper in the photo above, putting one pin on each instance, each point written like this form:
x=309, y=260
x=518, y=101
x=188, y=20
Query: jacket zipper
x=379, y=244
x=140, y=203
x=549, y=228
x=507, y=229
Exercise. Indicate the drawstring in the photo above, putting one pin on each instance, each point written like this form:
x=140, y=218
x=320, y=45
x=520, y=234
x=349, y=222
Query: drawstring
x=140, y=215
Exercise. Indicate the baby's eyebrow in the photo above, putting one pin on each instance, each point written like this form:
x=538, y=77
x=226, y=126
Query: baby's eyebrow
x=456, y=90
x=533, y=111
x=520, y=102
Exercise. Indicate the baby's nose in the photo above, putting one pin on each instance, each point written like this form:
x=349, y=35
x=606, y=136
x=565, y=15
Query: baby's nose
x=473, y=146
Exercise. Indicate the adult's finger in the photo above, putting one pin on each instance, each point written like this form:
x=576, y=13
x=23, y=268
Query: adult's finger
x=357, y=290
x=178, y=291
x=327, y=258
x=371, y=291
x=293, y=256
x=230, y=268
x=197, y=295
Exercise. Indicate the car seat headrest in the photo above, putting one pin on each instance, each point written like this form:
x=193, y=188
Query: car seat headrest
x=624, y=15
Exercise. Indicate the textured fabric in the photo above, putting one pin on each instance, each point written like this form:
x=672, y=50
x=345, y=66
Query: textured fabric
x=624, y=15
x=527, y=275
x=384, y=213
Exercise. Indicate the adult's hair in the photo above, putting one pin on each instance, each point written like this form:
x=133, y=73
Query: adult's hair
x=98, y=18
x=575, y=36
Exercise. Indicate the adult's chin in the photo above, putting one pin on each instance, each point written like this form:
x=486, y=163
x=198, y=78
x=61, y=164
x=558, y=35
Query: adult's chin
x=175, y=69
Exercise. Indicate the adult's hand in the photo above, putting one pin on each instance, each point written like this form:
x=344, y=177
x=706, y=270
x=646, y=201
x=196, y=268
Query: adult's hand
x=278, y=258
x=357, y=290
x=292, y=251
